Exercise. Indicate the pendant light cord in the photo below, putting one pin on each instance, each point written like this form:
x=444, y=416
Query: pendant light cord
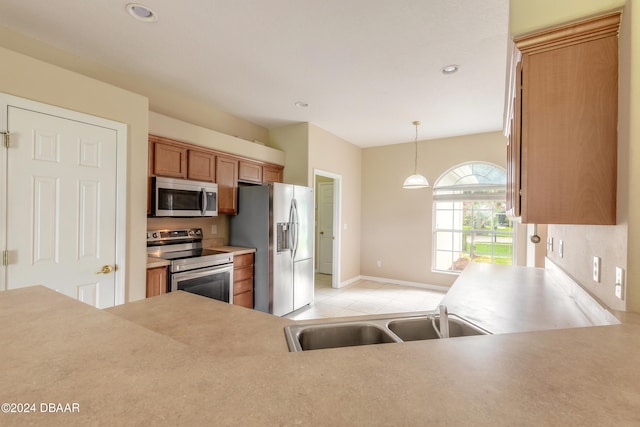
x=415, y=164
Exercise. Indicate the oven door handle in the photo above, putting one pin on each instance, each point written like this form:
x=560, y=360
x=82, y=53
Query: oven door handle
x=203, y=199
x=194, y=274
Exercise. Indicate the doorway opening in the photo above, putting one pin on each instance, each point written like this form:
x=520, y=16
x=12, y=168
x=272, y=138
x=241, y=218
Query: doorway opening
x=328, y=190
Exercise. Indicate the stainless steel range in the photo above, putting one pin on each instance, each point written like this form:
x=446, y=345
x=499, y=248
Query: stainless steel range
x=193, y=269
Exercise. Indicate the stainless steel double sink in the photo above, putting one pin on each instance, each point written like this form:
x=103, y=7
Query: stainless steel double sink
x=346, y=333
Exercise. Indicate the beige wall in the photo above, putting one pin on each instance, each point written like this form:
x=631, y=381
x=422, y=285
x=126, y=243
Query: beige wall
x=614, y=244
x=397, y=223
x=180, y=130
x=526, y=16
x=32, y=79
x=330, y=153
x=294, y=141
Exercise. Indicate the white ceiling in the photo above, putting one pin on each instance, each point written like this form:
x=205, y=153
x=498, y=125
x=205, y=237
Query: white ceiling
x=367, y=68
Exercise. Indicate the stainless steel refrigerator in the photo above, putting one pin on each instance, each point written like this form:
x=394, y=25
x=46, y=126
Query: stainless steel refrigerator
x=278, y=220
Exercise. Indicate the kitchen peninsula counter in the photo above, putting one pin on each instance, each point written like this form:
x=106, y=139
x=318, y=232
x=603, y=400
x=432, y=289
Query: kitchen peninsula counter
x=220, y=329
x=59, y=350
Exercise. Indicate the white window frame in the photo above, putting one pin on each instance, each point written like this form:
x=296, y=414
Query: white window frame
x=466, y=192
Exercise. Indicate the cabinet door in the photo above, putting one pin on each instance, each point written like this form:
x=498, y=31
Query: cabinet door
x=272, y=174
x=249, y=172
x=227, y=179
x=169, y=160
x=569, y=134
x=513, y=151
x=201, y=166
x=156, y=281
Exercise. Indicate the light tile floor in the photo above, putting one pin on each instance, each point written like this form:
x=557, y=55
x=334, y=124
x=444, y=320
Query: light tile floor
x=365, y=297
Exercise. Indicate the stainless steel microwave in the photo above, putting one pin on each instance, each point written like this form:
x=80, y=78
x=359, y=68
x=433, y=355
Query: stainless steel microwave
x=181, y=197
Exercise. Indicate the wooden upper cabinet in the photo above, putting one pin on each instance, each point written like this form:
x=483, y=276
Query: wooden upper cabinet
x=177, y=159
x=563, y=148
x=169, y=160
x=249, y=172
x=227, y=179
x=272, y=173
x=201, y=166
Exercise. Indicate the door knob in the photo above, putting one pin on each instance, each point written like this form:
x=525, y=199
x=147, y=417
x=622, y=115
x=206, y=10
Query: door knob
x=106, y=269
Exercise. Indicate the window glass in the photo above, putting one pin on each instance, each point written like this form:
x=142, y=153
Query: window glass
x=470, y=221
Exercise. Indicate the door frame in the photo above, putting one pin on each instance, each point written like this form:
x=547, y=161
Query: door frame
x=337, y=220
x=121, y=130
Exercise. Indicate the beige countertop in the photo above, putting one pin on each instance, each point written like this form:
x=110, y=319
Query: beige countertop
x=157, y=262
x=206, y=323
x=149, y=371
x=506, y=299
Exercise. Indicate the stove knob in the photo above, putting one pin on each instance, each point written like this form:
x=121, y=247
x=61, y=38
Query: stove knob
x=155, y=235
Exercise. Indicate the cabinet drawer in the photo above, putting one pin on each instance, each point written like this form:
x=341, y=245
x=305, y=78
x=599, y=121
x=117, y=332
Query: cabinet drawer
x=242, y=286
x=243, y=273
x=244, y=300
x=242, y=260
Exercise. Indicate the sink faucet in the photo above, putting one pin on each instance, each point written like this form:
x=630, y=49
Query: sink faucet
x=444, y=321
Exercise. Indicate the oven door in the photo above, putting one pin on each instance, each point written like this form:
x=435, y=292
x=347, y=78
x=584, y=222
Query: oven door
x=212, y=282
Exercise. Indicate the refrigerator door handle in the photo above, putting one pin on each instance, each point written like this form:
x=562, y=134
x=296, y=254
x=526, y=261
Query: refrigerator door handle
x=294, y=209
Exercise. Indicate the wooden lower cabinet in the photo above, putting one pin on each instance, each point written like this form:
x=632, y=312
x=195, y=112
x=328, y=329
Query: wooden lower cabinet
x=243, y=280
x=157, y=281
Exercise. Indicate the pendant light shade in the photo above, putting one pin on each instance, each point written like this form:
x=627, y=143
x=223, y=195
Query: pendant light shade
x=416, y=180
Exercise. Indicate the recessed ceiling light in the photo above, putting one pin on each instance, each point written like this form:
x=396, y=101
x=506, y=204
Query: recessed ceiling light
x=450, y=69
x=301, y=104
x=141, y=12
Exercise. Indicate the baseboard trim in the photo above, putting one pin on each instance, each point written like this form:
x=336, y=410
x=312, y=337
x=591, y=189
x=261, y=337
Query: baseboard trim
x=395, y=282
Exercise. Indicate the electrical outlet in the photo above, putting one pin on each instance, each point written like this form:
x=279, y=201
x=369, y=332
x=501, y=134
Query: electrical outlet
x=619, y=287
x=214, y=229
x=596, y=269
x=378, y=263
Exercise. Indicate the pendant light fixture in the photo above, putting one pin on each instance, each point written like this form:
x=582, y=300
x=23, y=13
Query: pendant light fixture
x=416, y=180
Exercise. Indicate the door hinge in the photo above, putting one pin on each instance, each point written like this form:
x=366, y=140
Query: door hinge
x=5, y=258
x=5, y=139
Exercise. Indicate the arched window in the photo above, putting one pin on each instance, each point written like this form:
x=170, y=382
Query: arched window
x=469, y=219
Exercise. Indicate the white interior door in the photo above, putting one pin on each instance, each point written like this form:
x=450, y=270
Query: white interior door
x=61, y=205
x=325, y=227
